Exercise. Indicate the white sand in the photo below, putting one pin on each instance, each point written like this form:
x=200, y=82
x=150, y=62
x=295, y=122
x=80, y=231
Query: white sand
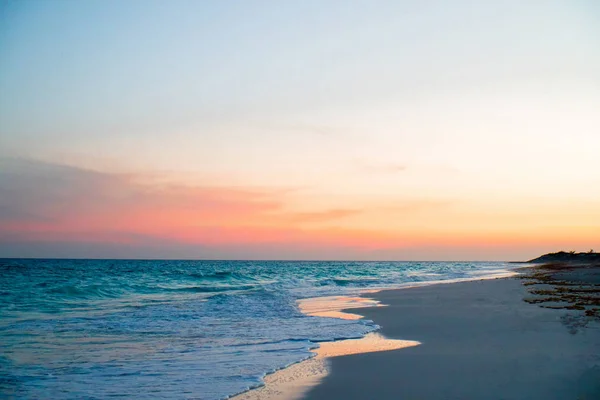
x=293, y=382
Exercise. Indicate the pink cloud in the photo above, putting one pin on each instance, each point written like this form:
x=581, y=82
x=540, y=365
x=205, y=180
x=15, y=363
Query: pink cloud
x=53, y=210
x=49, y=202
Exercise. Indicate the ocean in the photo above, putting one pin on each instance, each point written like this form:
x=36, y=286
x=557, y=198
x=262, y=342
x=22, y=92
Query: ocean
x=93, y=329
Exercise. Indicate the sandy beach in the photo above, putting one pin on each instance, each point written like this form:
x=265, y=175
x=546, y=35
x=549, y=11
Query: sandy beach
x=507, y=338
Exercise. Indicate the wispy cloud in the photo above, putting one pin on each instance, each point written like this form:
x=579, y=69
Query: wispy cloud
x=380, y=168
x=299, y=128
x=65, y=211
x=322, y=216
x=35, y=191
x=49, y=202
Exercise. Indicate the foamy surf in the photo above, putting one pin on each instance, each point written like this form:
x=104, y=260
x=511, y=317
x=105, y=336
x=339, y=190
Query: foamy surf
x=293, y=382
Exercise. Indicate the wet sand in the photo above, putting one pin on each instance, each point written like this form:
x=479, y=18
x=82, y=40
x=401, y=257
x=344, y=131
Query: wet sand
x=293, y=382
x=479, y=340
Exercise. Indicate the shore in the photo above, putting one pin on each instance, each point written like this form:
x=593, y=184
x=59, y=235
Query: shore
x=535, y=335
x=510, y=338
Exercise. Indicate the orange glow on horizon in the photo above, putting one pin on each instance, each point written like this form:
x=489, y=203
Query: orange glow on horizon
x=120, y=210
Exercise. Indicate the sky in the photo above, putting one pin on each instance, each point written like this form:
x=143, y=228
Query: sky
x=351, y=130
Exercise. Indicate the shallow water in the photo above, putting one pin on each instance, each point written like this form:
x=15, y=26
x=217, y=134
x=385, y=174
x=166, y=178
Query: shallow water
x=73, y=329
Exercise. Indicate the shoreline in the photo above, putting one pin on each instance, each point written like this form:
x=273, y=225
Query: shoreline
x=294, y=381
x=529, y=334
x=511, y=338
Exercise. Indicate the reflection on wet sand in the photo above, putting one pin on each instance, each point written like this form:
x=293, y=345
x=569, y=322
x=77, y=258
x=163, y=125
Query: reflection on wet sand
x=292, y=382
x=332, y=306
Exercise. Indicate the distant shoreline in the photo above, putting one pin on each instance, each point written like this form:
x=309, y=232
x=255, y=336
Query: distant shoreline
x=570, y=257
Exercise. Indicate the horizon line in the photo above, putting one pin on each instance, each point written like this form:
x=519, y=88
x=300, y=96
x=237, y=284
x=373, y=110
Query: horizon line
x=240, y=259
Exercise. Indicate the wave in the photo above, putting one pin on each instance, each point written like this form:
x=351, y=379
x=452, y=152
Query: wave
x=209, y=289
x=85, y=292
x=218, y=275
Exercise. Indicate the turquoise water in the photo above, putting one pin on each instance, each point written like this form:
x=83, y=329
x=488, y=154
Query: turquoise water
x=93, y=329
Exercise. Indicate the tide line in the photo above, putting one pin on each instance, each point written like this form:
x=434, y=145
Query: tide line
x=293, y=382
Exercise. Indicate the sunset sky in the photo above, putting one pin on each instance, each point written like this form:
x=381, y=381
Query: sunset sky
x=392, y=130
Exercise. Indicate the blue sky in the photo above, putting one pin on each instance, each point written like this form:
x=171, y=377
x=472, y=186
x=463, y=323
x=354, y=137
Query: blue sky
x=349, y=104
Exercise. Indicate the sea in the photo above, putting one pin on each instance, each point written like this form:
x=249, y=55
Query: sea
x=155, y=329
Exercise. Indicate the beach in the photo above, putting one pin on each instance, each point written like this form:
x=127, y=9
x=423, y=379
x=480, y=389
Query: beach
x=479, y=340
x=535, y=335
